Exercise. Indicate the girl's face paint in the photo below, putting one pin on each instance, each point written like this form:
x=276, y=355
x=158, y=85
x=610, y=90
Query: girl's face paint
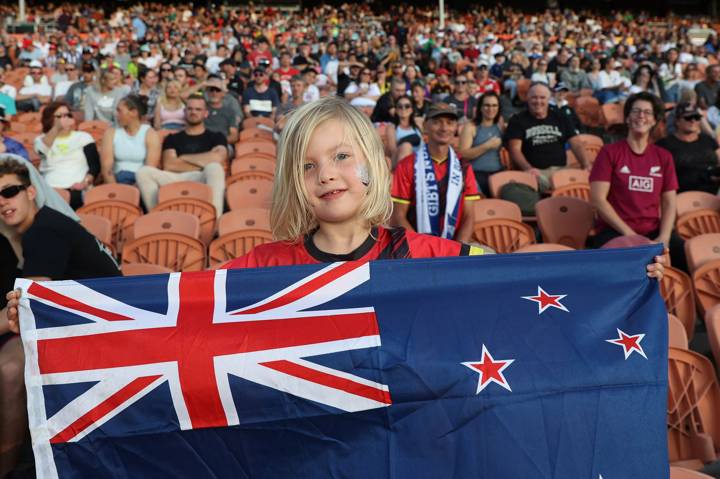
x=363, y=174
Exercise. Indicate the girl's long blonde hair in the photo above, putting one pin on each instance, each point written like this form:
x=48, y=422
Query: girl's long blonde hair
x=291, y=216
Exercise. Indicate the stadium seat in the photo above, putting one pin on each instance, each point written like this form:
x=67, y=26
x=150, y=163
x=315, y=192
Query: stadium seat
x=100, y=227
x=256, y=134
x=689, y=201
x=249, y=194
x=492, y=208
x=255, y=121
x=592, y=145
x=140, y=269
x=612, y=116
x=169, y=239
x=677, y=337
x=569, y=176
x=202, y=210
x=251, y=168
x=706, y=280
x=122, y=215
x=543, y=248
x=523, y=86
x=627, y=241
x=29, y=117
x=682, y=473
x=263, y=148
x=701, y=249
x=503, y=235
x=588, y=110
x=693, y=416
x=698, y=222
x=96, y=128
x=676, y=290
x=498, y=180
x=185, y=189
x=580, y=191
x=243, y=219
x=712, y=323
x=564, y=220
x=113, y=191
x=232, y=245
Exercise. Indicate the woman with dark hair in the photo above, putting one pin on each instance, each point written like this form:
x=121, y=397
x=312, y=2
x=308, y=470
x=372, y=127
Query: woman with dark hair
x=645, y=79
x=403, y=134
x=420, y=100
x=481, y=139
x=633, y=185
x=131, y=145
x=69, y=159
x=102, y=99
x=146, y=86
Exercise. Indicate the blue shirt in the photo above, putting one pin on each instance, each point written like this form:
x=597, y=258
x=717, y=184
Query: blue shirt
x=15, y=147
x=139, y=27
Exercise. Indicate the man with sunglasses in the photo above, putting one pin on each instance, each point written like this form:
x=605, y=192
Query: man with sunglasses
x=694, y=153
x=222, y=117
x=463, y=101
x=36, y=90
x=259, y=99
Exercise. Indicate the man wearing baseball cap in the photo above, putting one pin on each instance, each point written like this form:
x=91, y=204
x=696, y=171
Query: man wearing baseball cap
x=432, y=191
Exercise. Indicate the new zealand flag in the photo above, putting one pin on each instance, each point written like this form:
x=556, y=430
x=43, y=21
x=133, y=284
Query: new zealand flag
x=505, y=366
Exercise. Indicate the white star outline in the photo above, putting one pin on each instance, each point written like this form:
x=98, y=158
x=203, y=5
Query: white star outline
x=505, y=384
x=541, y=307
x=618, y=342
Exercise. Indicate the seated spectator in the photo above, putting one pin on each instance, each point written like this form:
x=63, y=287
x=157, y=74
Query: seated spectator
x=69, y=159
x=101, y=99
x=574, y=77
x=481, y=140
x=297, y=99
x=611, y=87
x=440, y=88
x=147, y=86
x=259, y=99
x=8, y=93
x=312, y=92
x=170, y=108
x=403, y=135
x=560, y=101
x=7, y=144
x=484, y=81
x=540, y=74
x=694, y=153
x=70, y=77
x=54, y=247
x=420, y=101
x=645, y=79
x=221, y=118
x=77, y=92
x=194, y=154
x=233, y=77
x=363, y=92
x=461, y=99
x=707, y=90
x=423, y=211
x=35, y=92
x=130, y=145
x=385, y=107
x=670, y=73
x=536, y=137
x=633, y=185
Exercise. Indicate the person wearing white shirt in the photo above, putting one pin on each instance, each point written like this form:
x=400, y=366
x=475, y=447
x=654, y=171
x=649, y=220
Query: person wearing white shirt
x=611, y=87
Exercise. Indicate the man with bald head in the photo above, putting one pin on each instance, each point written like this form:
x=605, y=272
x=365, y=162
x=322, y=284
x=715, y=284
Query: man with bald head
x=536, y=137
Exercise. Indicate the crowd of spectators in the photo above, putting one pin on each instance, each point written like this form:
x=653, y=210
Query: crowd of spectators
x=173, y=83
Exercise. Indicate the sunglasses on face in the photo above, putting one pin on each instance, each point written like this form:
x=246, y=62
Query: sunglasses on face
x=70, y=69
x=404, y=106
x=166, y=69
x=460, y=82
x=258, y=74
x=12, y=191
x=692, y=118
x=213, y=89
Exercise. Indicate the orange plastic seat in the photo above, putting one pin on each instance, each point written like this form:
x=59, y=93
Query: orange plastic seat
x=592, y=145
x=701, y=249
x=142, y=269
x=564, y=220
x=676, y=290
x=677, y=338
x=99, y=226
x=185, y=189
x=29, y=117
x=569, y=176
x=503, y=235
x=249, y=194
x=688, y=201
x=706, y=280
x=712, y=323
x=682, y=473
x=255, y=121
x=580, y=191
x=251, y=168
x=232, y=245
x=96, y=128
x=256, y=134
x=167, y=222
x=122, y=215
x=113, y=191
x=523, y=87
x=543, y=248
x=693, y=417
x=612, y=115
x=500, y=179
x=202, y=210
x=587, y=108
x=255, y=148
x=698, y=222
x=491, y=208
x=244, y=219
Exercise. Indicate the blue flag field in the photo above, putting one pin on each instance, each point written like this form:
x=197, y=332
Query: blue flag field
x=519, y=366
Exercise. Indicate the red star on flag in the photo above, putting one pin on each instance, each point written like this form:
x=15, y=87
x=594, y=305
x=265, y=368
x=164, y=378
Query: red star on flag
x=490, y=370
x=629, y=343
x=545, y=300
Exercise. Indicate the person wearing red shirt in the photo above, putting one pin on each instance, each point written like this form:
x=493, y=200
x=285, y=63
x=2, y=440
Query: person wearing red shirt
x=443, y=190
x=286, y=70
x=485, y=83
x=633, y=184
x=261, y=52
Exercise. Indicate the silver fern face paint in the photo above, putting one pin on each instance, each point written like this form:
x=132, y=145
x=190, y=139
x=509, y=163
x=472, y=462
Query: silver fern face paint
x=363, y=174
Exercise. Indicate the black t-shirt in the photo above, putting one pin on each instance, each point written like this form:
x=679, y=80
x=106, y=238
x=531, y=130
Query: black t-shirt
x=465, y=107
x=185, y=144
x=8, y=269
x=693, y=162
x=543, y=141
x=60, y=248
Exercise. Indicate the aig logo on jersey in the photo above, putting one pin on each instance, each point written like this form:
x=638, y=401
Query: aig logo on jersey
x=641, y=183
